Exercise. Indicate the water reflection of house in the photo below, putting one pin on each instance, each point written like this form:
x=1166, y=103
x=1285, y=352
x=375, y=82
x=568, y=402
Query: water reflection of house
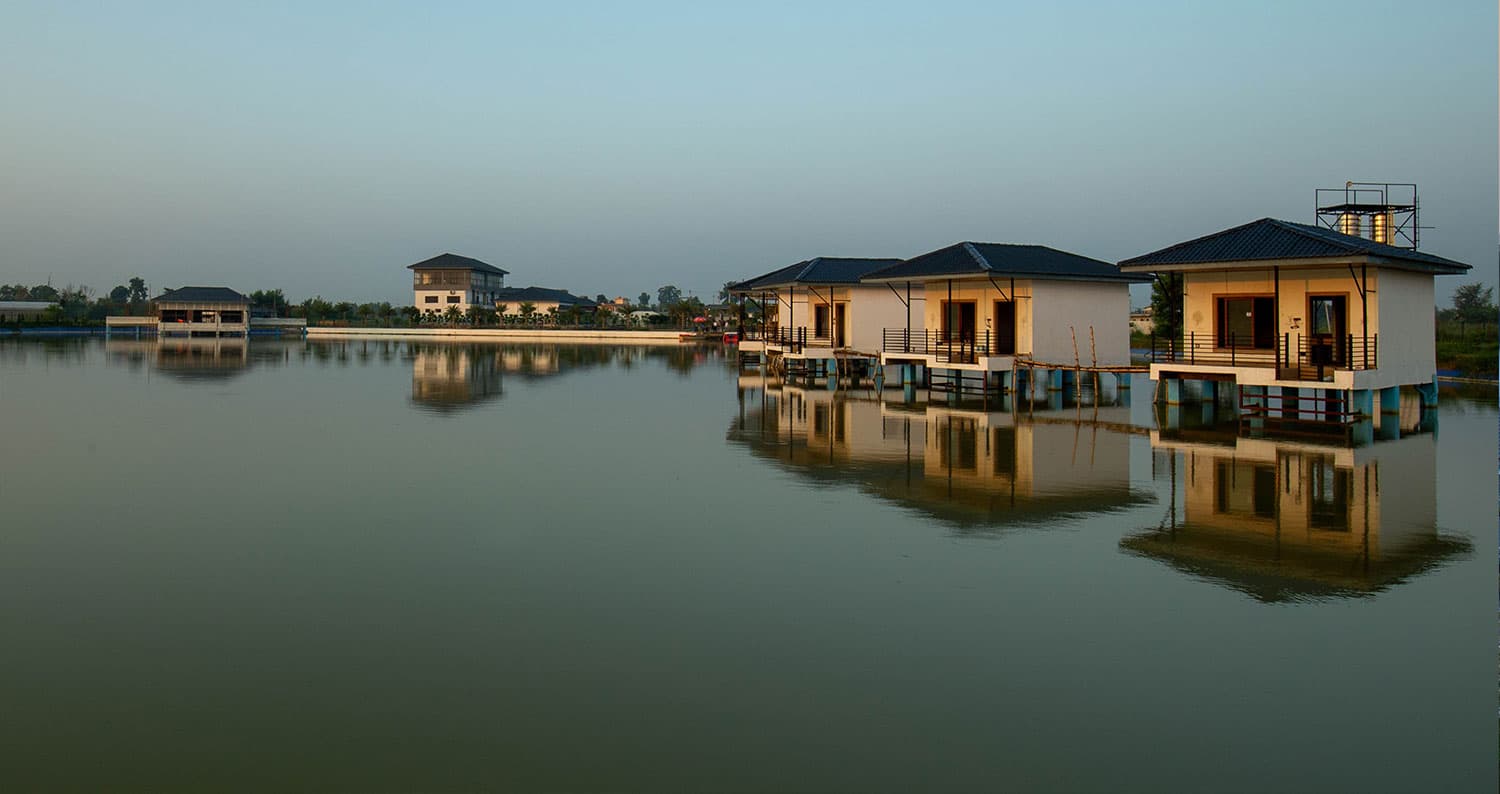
x=1284, y=521
x=455, y=376
x=187, y=358
x=972, y=468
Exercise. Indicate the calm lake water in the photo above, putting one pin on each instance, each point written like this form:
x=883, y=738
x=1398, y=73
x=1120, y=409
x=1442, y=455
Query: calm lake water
x=380, y=566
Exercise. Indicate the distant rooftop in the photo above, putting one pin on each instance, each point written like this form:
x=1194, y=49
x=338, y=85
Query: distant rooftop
x=202, y=295
x=1269, y=239
x=1003, y=259
x=456, y=262
x=513, y=294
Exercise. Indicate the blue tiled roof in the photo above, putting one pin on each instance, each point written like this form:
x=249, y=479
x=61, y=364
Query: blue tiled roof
x=1269, y=238
x=1003, y=259
x=455, y=262
x=819, y=270
x=202, y=295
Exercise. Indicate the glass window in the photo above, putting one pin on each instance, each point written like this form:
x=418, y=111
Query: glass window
x=1246, y=322
x=430, y=299
x=453, y=299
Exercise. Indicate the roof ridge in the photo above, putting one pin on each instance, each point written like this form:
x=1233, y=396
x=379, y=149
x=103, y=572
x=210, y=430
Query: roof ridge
x=984, y=264
x=1312, y=233
x=807, y=266
x=1197, y=240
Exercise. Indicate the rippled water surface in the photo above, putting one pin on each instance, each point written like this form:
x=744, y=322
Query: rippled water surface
x=381, y=566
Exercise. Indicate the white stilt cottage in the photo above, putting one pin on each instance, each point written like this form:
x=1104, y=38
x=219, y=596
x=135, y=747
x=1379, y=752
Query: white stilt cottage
x=973, y=310
x=818, y=309
x=1307, y=322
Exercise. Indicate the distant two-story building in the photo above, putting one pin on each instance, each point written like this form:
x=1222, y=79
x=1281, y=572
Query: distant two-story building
x=450, y=280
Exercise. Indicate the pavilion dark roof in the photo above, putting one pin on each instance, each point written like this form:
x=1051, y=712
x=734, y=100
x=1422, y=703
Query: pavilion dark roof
x=818, y=270
x=515, y=294
x=455, y=262
x=1269, y=238
x=1003, y=259
x=202, y=295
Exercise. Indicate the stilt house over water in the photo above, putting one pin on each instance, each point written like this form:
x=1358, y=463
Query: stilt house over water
x=975, y=309
x=1324, y=319
x=202, y=312
x=818, y=306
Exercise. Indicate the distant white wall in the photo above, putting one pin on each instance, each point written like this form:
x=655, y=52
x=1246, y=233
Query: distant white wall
x=1407, y=332
x=872, y=309
x=1061, y=308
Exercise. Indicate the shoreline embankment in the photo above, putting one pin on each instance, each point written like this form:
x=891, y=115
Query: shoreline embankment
x=566, y=336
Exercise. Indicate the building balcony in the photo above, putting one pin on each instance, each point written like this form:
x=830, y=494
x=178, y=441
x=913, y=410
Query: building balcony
x=1292, y=356
x=946, y=348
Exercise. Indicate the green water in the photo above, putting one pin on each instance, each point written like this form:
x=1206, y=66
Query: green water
x=373, y=566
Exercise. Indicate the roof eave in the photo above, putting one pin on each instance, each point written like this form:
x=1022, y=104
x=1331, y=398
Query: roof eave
x=989, y=274
x=1301, y=263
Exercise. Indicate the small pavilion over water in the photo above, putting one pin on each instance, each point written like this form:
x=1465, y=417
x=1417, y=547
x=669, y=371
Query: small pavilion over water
x=202, y=312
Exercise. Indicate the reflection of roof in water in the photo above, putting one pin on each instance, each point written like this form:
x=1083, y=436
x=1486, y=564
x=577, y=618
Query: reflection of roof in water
x=1290, y=573
x=969, y=505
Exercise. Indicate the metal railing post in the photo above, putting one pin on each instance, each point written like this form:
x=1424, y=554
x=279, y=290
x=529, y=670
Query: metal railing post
x=1231, y=349
x=1192, y=347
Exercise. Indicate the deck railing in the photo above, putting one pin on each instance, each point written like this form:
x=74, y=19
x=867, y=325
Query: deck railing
x=1294, y=356
x=790, y=340
x=950, y=349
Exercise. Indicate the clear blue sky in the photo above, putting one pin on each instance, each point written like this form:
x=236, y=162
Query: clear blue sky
x=616, y=147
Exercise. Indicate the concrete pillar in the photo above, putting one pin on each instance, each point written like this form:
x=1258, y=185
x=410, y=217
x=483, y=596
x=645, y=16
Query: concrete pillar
x=1429, y=394
x=1208, y=407
x=1363, y=403
x=1255, y=403
x=1172, y=416
x=1290, y=402
x=1122, y=388
x=1390, y=413
x=1363, y=432
x=1390, y=401
x=831, y=369
x=1172, y=387
x=1055, y=380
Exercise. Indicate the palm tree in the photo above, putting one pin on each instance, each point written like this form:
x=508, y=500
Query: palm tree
x=527, y=310
x=500, y=310
x=454, y=315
